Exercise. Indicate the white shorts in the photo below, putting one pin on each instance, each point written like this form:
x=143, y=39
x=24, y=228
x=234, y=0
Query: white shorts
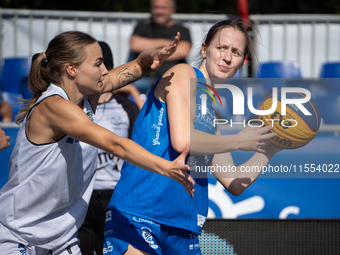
x=12, y=245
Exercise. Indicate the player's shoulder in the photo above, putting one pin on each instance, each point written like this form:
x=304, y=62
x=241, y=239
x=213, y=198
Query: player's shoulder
x=183, y=69
x=178, y=76
x=53, y=100
x=56, y=104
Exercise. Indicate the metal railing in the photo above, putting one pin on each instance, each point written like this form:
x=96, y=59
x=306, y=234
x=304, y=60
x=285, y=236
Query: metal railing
x=307, y=39
x=25, y=32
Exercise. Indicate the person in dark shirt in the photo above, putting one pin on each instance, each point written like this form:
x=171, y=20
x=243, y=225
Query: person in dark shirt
x=156, y=32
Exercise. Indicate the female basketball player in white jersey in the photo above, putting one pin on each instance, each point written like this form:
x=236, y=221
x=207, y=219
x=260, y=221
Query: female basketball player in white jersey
x=54, y=160
x=153, y=216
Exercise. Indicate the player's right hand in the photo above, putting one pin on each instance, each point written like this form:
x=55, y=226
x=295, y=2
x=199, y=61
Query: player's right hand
x=252, y=138
x=178, y=171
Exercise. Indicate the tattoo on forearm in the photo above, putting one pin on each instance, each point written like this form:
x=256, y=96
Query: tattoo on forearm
x=145, y=64
x=126, y=75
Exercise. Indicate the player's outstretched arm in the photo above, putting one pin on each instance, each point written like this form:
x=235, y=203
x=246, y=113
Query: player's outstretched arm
x=70, y=119
x=146, y=62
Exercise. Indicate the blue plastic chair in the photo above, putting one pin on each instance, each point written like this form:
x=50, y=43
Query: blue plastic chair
x=14, y=75
x=330, y=70
x=329, y=109
x=273, y=73
x=279, y=69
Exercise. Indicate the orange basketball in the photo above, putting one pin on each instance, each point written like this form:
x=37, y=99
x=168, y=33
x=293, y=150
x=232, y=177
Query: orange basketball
x=295, y=129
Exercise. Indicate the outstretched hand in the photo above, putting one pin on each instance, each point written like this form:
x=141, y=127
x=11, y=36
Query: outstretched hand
x=253, y=138
x=4, y=140
x=178, y=172
x=160, y=55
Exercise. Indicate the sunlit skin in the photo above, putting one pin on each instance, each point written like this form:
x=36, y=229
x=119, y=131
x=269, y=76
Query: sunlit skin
x=225, y=54
x=92, y=70
x=88, y=76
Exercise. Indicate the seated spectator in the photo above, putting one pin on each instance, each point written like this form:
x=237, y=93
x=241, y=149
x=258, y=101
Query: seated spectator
x=157, y=32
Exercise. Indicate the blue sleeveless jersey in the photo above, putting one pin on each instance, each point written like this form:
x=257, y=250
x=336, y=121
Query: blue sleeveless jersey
x=156, y=197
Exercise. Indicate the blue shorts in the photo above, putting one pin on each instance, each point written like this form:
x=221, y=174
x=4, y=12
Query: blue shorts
x=122, y=229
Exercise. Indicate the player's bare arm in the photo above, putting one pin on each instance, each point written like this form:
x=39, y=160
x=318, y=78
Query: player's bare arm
x=236, y=181
x=146, y=62
x=181, y=104
x=141, y=43
x=64, y=117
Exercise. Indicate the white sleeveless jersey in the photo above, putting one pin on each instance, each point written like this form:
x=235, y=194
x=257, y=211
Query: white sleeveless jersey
x=46, y=197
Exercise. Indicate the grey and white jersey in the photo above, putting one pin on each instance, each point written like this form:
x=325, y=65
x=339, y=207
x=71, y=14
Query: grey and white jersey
x=46, y=197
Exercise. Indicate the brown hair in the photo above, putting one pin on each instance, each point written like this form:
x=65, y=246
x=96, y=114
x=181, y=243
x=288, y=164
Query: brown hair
x=239, y=24
x=63, y=49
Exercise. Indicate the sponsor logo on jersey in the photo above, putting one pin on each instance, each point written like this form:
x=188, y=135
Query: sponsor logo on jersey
x=200, y=220
x=157, y=127
x=194, y=246
x=108, y=216
x=146, y=233
x=22, y=249
x=116, y=120
x=137, y=219
x=107, y=247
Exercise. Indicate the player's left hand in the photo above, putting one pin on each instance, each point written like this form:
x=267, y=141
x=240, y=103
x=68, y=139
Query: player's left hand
x=160, y=55
x=270, y=148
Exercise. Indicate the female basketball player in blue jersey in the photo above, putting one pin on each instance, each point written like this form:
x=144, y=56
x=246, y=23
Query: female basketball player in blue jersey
x=54, y=160
x=150, y=214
